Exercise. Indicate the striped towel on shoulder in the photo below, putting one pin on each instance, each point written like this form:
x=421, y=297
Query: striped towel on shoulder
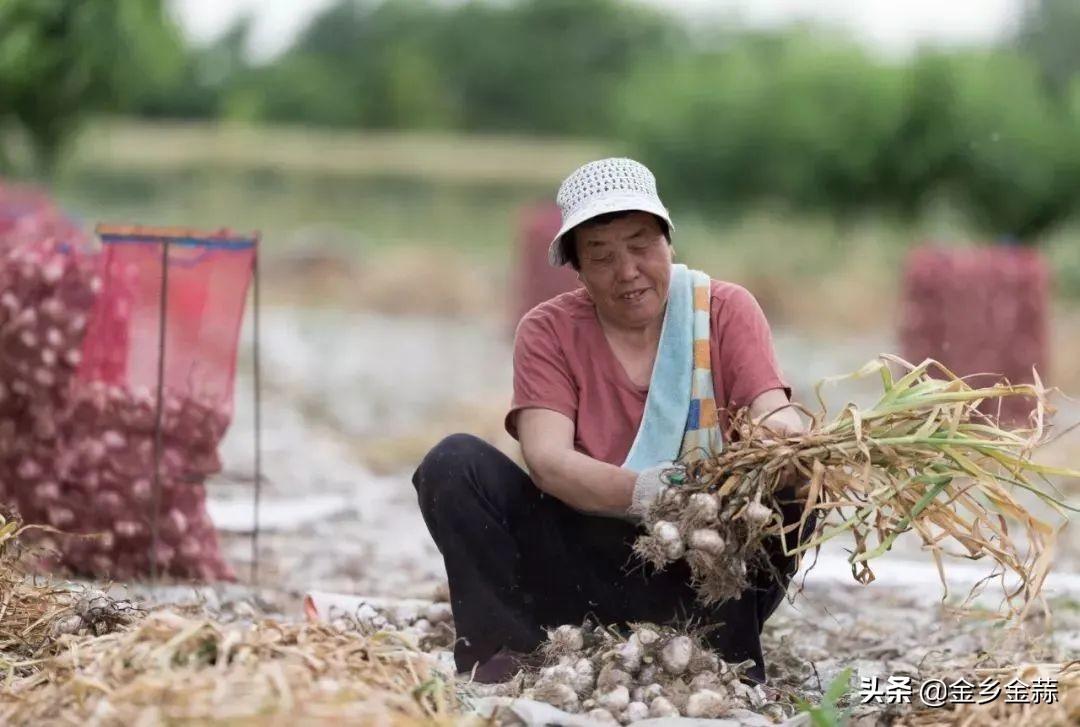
x=680, y=421
x=702, y=436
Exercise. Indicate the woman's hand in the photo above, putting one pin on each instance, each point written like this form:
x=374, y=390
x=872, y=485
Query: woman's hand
x=772, y=411
x=651, y=482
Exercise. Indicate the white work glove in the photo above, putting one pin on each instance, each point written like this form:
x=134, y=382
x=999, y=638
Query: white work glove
x=650, y=483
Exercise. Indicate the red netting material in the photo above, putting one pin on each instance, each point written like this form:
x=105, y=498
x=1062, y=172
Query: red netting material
x=535, y=279
x=29, y=215
x=206, y=292
x=78, y=373
x=107, y=461
x=111, y=434
x=978, y=310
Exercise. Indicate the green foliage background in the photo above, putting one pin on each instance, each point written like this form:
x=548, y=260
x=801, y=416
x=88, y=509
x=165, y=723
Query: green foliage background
x=62, y=60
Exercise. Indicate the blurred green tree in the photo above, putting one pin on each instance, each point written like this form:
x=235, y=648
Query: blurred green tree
x=797, y=119
x=551, y=66
x=541, y=66
x=1017, y=152
x=62, y=60
x=816, y=124
x=728, y=119
x=1050, y=34
x=201, y=85
x=922, y=155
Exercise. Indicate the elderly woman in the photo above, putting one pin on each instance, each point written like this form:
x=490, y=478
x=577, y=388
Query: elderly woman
x=525, y=551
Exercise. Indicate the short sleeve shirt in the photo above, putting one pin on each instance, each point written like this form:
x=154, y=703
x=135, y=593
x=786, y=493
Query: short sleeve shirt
x=563, y=362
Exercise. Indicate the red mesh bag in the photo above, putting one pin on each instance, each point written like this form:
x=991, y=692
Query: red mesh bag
x=208, y=278
x=29, y=215
x=110, y=431
x=48, y=288
x=536, y=280
x=979, y=311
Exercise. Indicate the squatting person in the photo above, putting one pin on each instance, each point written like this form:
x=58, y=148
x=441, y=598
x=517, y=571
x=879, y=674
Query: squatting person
x=528, y=550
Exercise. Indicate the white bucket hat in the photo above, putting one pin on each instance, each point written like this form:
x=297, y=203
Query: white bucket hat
x=606, y=185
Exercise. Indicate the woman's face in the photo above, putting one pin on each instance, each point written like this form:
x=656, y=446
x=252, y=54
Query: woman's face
x=625, y=266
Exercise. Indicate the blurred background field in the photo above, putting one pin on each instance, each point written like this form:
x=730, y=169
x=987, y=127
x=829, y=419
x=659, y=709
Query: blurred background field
x=795, y=156
x=393, y=205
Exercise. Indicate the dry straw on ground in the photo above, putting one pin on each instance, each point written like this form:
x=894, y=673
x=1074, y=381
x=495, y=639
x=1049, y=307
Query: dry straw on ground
x=924, y=458
x=78, y=657
x=34, y=614
x=170, y=668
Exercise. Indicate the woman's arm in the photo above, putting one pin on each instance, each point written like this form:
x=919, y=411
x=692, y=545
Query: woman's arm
x=766, y=410
x=583, y=483
x=771, y=410
x=589, y=485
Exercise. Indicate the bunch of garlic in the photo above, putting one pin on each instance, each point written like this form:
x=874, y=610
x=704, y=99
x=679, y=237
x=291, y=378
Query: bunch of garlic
x=718, y=536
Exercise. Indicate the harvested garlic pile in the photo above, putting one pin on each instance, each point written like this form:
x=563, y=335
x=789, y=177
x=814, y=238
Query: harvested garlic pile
x=428, y=625
x=655, y=672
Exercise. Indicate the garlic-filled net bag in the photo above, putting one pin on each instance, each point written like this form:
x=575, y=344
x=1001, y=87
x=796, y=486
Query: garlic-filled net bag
x=47, y=290
x=132, y=343
x=29, y=215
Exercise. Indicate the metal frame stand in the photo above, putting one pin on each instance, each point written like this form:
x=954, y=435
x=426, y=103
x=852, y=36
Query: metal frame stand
x=155, y=514
x=256, y=377
x=163, y=303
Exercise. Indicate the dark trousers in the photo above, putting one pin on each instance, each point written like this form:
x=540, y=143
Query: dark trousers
x=518, y=560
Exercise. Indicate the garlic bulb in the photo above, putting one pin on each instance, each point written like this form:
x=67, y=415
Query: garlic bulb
x=707, y=680
x=675, y=656
x=584, y=676
x=757, y=513
x=635, y=712
x=662, y=707
x=707, y=541
x=614, y=700
x=667, y=534
x=648, y=674
x=611, y=676
x=702, y=508
x=68, y=625
x=628, y=655
x=567, y=639
x=558, y=674
x=672, y=497
x=646, y=636
x=440, y=612
x=703, y=660
x=705, y=704
x=602, y=715
x=559, y=695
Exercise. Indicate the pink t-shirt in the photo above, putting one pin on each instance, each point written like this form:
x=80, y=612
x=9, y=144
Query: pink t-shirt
x=563, y=362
